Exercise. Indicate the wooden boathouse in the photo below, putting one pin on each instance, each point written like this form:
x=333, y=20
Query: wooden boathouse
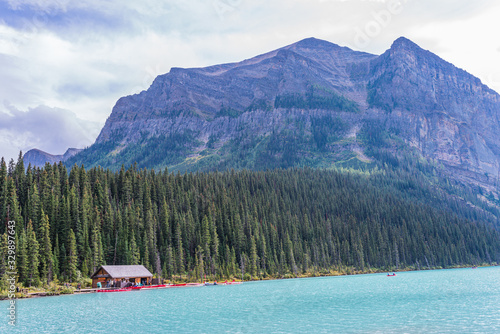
x=121, y=276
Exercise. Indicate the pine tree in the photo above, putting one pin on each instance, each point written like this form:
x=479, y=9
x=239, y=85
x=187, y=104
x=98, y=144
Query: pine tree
x=253, y=258
x=13, y=209
x=199, y=265
x=134, y=250
x=32, y=255
x=34, y=210
x=72, y=258
x=97, y=251
x=145, y=257
x=4, y=264
x=180, y=250
x=22, y=257
x=169, y=263
x=46, y=256
x=55, y=258
x=214, y=247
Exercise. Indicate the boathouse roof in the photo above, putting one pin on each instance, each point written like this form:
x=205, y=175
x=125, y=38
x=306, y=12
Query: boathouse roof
x=123, y=271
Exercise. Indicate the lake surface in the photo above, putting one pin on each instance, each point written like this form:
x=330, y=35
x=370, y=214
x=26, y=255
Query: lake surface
x=439, y=301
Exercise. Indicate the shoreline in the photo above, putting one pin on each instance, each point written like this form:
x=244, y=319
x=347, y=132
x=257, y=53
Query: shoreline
x=85, y=291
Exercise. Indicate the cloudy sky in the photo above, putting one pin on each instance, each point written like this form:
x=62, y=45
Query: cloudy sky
x=63, y=64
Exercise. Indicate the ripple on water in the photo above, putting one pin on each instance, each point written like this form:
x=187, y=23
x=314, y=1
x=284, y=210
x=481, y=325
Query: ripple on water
x=441, y=301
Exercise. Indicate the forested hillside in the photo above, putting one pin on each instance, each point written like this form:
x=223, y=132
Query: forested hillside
x=277, y=223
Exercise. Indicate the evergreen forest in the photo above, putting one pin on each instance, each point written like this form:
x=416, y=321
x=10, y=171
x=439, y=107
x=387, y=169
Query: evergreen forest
x=235, y=224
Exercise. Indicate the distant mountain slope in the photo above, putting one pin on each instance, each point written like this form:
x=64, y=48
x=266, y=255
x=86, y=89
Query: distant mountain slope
x=312, y=103
x=38, y=158
x=445, y=112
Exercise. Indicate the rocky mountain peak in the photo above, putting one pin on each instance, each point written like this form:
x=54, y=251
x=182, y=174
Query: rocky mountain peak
x=403, y=43
x=306, y=104
x=314, y=43
x=38, y=158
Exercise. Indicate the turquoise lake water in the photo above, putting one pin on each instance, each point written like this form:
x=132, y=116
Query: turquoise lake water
x=439, y=301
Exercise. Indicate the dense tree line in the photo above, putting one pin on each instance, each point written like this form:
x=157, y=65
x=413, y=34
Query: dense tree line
x=222, y=225
x=316, y=98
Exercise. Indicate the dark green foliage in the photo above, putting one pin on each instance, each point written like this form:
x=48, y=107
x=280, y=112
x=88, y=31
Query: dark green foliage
x=97, y=153
x=316, y=98
x=327, y=129
x=211, y=141
x=260, y=104
x=151, y=152
x=377, y=95
x=290, y=101
x=250, y=224
x=373, y=134
x=229, y=112
x=158, y=150
x=32, y=257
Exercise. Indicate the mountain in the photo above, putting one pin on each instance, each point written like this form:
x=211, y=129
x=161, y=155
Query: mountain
x=38, y=158
x=311, y=103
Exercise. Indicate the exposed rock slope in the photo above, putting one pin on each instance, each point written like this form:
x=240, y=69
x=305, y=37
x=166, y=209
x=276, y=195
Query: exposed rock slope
x=310, y=103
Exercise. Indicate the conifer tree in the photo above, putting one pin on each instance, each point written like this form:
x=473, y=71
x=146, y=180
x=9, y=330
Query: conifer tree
x=4, y=264
x=72, y=258
x=169, y=263
x=22, y=257
x=55, y=258
x=179, y=250
x=134, y=250
x=46, y=256
x=32, y=257
x=199, y=265
x=253, y=257
x=34, y=210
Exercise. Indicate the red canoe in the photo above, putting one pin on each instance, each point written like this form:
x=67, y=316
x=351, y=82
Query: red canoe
x=155, y=286
x=113, y=290
x=232, y=282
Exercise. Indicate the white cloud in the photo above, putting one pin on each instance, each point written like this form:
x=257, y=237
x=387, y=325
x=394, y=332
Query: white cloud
x=50, y=129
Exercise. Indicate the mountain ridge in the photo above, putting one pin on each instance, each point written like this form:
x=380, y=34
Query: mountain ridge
x=310, y=103
x=38, y=158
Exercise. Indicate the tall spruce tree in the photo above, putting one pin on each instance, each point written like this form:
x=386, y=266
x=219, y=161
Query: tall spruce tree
x=46, y=255
x=32, y=257
x=72, y=258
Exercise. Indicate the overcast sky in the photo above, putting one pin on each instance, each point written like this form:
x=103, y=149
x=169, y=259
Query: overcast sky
x=64, y=64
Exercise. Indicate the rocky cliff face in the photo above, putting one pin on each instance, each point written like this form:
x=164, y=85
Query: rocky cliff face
x=448, y=114
x=175, y=100
x=310, y=103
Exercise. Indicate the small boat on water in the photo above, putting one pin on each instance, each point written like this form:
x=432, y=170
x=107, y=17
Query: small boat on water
x=155, y=286
x=194, y=284
x=231, y=283
x=208, y=283
x=165, y=286
x=393, y=274
x=178, y=284
x=114, y=290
